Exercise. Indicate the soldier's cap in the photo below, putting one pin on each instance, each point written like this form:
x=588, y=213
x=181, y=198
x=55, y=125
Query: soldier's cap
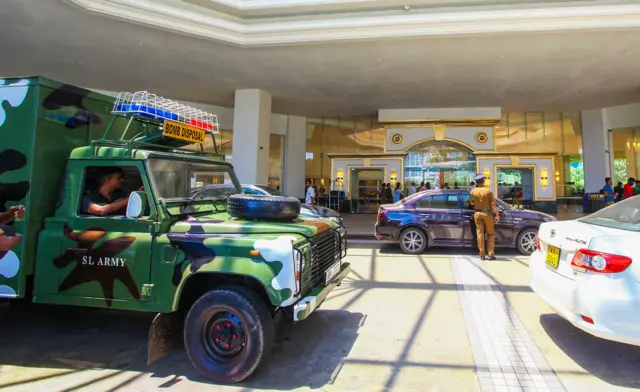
x=478, y=177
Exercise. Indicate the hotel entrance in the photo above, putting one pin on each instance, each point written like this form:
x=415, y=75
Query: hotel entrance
x=439, y=164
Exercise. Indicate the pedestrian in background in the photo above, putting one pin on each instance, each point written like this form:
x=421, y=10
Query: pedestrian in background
x=628, y=188
x=387, y=194
x=412, y=188
x=607, y=191
x=619, y=190
x=397, y=193
x=310, y=193
x=423, y=187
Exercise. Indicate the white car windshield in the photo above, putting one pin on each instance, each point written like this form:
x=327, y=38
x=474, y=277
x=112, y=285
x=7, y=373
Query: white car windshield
x=624, y=215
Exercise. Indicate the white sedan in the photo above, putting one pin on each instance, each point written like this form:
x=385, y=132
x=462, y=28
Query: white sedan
x=588, y=270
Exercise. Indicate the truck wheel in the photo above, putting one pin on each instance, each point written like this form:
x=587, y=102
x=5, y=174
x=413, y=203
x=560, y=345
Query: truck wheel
x=227, y=333
x=263, y=207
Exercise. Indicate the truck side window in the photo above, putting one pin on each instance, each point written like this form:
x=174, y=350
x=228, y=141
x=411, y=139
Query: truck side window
x=108, y=185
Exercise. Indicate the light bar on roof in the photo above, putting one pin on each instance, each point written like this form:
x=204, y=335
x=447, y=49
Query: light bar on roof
x=150, y=105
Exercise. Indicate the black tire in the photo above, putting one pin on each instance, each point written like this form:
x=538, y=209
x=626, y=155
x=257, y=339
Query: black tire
x=251, y=336
x=419, y=244
x=263, y=207
x=524, y=241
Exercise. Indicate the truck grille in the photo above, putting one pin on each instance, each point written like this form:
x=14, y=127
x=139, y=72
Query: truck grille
x=325, y=250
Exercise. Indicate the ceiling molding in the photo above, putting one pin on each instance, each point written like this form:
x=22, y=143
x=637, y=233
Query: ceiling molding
x=275, y=31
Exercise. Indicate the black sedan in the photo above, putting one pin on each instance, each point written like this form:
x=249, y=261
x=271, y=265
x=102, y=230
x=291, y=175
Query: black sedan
x=445, y=218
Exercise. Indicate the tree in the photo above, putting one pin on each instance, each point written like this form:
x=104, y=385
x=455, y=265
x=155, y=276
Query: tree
x=620, y=170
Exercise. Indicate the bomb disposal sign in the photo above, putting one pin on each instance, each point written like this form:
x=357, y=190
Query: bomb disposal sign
x=183, y=132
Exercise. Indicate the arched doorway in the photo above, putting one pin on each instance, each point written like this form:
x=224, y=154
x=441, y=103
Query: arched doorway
x=439, y=163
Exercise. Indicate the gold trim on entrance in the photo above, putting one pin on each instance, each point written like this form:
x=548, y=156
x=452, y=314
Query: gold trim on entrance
x=458, y=122
x=431, y=139
x=439, y=131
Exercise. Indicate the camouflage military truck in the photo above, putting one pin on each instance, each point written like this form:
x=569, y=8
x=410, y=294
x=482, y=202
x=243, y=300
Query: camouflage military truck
x=216, y=267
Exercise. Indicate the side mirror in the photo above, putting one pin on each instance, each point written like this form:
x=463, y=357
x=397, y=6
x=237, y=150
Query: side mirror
x=137, y=204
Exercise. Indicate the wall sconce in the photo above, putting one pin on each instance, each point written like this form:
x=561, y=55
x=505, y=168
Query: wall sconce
x=340, y=178
x=557, y=176
x=393, y=177
x=544, y=178
x=487, y=174
x=322, y=181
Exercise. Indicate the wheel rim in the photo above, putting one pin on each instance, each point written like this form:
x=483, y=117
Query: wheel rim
x=223, y=336
x=413, y=241
x=528, y=242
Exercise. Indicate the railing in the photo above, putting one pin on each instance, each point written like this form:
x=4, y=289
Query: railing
x=592, y=202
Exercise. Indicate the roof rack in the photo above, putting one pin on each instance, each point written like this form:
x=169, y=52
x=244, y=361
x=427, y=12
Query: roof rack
x=143, y=103
x=149, y=112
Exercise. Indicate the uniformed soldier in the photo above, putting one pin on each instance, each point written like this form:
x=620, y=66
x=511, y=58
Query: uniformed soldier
x=485, y=215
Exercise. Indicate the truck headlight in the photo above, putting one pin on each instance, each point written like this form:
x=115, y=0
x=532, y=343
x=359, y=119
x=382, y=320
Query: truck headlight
x=298, y=265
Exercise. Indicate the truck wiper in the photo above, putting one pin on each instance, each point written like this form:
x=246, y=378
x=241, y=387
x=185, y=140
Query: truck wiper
x=220, y=198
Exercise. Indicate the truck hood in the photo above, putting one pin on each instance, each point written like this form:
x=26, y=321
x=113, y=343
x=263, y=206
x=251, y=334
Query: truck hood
x=224, y=224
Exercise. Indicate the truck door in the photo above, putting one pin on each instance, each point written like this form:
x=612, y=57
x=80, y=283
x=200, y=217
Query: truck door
x=105, y=259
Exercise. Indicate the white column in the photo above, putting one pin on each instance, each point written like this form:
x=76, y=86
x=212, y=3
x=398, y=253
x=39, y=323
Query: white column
x=595, y=145
x=251, y=129
x=295, y=149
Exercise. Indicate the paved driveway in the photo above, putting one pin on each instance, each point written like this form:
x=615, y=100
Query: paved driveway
x=438, y=322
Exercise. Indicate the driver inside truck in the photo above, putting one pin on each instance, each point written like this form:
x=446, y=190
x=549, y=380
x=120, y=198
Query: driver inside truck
x=108, y=199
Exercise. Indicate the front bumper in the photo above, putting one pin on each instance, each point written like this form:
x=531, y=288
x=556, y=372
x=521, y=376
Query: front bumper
x=610, y=300
x=308, y=304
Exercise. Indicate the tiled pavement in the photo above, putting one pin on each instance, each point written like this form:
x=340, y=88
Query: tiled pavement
x=506, y=357
x=439, y=322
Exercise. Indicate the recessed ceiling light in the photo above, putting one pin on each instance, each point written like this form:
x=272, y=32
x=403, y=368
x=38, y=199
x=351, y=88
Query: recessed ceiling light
x=264, y=65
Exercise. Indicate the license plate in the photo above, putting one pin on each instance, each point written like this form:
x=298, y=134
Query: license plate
x=553, y=256
x=331, y=272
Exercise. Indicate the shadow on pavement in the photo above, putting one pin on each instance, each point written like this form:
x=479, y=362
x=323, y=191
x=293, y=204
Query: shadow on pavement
x=394, y=249
x=310, y=353
x=612, y=362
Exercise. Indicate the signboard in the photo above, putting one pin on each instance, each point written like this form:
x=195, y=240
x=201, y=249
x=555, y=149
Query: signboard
x=183, y=132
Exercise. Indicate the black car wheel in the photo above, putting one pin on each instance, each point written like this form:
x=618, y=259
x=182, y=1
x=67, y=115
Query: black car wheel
x=227, y=333
x=527, y=242
x=413, y=241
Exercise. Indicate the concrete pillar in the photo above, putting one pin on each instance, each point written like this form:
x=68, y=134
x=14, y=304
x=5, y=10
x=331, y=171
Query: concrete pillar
x=295, y=147
x=251, y=129
x=595, y=145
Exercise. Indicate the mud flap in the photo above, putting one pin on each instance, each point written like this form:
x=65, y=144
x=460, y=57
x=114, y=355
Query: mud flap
x=165, y=334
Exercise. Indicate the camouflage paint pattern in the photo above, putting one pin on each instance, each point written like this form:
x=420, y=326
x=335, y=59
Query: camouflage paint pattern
x=137, y=264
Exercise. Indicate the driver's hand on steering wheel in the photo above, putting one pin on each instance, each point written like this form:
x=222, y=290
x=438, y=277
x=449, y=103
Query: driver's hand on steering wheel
x=141, y=189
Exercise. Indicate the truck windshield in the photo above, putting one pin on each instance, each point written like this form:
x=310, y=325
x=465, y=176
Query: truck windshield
x=624, y=215
x=178, y=179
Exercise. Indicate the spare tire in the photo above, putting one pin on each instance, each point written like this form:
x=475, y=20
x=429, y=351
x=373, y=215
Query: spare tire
x=263, y=207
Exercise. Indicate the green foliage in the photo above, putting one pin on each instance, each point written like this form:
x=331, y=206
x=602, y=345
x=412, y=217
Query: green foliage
x=577, y=176
x=620, y=171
